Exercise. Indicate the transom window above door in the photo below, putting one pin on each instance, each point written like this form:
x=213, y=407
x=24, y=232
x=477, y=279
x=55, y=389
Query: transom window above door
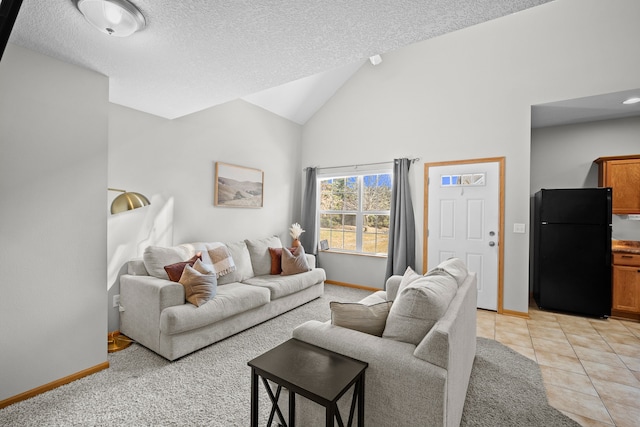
x=464, y=179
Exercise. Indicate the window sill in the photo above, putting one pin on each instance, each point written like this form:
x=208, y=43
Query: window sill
x=341, y=252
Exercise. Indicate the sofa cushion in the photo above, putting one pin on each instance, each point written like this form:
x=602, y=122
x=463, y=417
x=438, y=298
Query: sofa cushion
x=294, y=262
x=418, y=307
x=242, y=260
x=369, y=319
x=453, y=267
x=156, y=257
x=281, y=286
x=259, y=252
x=230, y=300
x=221, y=258
x=408, y=278
x=374, y=298
x=174, y=271
x=199, y=283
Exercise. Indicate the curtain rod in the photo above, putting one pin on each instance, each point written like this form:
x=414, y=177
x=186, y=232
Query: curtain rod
x=417, y=159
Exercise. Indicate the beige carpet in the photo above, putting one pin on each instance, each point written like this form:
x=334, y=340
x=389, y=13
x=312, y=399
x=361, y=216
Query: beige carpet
x=211, y=387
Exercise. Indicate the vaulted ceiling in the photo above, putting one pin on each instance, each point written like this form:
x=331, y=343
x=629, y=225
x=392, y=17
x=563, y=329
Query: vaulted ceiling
x=289, y=56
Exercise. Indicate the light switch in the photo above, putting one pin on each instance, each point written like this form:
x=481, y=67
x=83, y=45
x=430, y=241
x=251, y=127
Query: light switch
x=519, y=228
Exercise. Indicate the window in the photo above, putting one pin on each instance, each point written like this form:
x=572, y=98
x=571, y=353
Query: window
x=354, y=212
x=467, y=179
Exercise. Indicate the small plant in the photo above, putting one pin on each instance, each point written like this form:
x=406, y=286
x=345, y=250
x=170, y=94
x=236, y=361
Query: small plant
x=295, y=231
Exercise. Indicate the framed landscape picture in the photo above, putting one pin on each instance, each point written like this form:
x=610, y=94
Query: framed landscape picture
x=238, y=186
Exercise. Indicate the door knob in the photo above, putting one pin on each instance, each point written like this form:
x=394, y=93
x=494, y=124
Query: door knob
x=492, y=243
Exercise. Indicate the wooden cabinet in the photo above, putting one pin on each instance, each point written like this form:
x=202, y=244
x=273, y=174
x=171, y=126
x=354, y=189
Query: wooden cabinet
x=626, y=286
x=622, y=173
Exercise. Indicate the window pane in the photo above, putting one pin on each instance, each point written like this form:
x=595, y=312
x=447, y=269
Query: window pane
x=377, y=192
x=339, y=230
x=351, y=194
x=339, y=194
x=326, y=196
x=325, y=228
x=375, y=236
x=337, y=202
x=349, y=234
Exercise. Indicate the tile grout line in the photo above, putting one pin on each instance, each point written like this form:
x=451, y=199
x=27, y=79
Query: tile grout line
x=587, y=372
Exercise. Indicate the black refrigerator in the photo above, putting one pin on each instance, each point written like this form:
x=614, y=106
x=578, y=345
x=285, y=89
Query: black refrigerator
x=572, y=250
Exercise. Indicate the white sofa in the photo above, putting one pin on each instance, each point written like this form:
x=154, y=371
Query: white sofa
x=156, y=315
x=406, y=384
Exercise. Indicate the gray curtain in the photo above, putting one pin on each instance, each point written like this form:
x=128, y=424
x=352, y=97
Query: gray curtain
x=309, y=239
x=402, y=227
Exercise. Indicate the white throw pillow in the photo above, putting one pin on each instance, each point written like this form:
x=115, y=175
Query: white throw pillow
x=156, y=257
x=259, y=252
x=418, y=307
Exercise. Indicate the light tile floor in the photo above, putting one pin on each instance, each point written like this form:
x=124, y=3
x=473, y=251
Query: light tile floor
x=590, y=367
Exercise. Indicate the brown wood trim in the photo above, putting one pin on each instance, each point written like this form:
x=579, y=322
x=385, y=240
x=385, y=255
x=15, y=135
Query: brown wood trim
x=609, y=158
x=515, y=314
x=501, y=162
x=351, y=285
x=625, y=315
x=54, y=384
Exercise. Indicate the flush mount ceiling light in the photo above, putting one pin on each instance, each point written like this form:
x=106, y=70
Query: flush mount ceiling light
x=630, y=101
x=114, y=17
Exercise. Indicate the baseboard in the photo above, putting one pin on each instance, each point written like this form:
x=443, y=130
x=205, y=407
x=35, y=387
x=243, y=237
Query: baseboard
x=515, y=314
x=625, y=315
x=351, y=285
x=54, y=384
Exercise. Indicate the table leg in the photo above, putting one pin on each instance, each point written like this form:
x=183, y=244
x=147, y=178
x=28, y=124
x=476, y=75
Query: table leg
x=254, y=398
x=274, y=401
x=360, y=385
x=292, y=409
x=330, y=415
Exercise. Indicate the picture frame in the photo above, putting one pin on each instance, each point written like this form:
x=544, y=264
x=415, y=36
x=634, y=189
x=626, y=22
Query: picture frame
x=238, y=186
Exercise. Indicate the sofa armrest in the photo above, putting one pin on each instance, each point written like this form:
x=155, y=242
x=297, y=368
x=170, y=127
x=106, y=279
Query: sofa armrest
x=391, y=287
x=398, y=385
x=136, y=267
x=142, y=299
x=311, y=260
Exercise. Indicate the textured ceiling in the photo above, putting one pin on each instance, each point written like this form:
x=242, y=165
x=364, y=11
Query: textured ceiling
x=199, y=53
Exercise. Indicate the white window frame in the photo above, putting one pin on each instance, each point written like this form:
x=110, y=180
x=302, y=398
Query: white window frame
x=360, y=173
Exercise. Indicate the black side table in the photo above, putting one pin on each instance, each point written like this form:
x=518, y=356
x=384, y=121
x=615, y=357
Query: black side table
x=318, y=374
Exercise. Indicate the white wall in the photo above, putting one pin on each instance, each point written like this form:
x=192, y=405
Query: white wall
x=53, y=178
x=468, y=95
x=173, y=161
x=351, y=268
x=562, y=157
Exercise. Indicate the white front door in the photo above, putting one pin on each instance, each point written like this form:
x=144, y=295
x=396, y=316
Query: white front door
x=464, y=221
